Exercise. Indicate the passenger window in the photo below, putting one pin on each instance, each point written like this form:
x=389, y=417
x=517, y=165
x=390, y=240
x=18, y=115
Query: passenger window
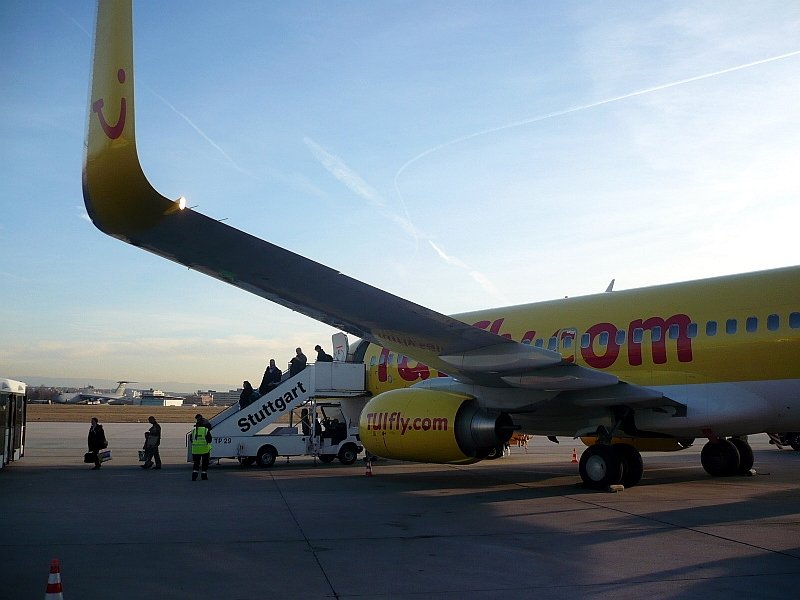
x=692, y=330
x=773, y=322
x=794, y=320
x=603, y=338
x=538, y=342
x=711, y=328
x=730, y=326
x=585, y=339
x=552, y=344
x=751, y=324
x=674, y=332
x=620, y=338
x=567, y=341
x=373, y=361
x=638, y=334
x=655, y=334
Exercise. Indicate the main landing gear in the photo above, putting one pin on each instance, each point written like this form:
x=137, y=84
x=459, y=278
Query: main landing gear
x=725, y=457
x=603, y=465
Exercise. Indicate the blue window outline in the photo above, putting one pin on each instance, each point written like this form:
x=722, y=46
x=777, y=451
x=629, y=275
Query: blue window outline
x=731, y=325
x=773, y=322
x=711, y=328
x=794, y=320
x=751, y=324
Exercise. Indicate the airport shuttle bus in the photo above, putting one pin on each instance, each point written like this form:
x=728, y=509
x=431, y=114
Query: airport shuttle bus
x=13, y=412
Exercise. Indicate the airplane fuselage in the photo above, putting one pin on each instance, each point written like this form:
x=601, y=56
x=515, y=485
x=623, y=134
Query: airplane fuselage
x=726, y=347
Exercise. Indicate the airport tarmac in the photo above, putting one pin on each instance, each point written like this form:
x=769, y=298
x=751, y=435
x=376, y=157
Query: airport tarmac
x=515, y=527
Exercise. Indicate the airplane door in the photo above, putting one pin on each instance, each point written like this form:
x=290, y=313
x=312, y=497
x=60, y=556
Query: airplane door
x=341, y=347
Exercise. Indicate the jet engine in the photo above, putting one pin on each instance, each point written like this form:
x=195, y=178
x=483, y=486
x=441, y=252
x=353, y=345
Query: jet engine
x=431, y=426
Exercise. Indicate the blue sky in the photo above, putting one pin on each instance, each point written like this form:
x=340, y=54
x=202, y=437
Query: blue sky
x=460, y=154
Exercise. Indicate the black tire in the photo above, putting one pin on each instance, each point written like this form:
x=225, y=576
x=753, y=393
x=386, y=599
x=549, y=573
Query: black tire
x=632, y=465
x=495, y=453
x=746, y=457
x=327, y=458
x=348, y=454
x=720, y=458
x=600, y=466
x=794, y=440
x=246, y=461
x=266, y=456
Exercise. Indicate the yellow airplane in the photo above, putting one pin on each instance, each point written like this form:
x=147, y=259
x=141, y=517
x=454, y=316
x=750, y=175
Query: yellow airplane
x=649, y=369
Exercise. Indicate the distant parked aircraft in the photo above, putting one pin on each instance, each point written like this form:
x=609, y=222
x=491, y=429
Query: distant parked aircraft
x=87, y=396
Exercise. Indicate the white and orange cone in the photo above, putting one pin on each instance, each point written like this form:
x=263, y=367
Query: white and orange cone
x=574, y=456
x=54, y=589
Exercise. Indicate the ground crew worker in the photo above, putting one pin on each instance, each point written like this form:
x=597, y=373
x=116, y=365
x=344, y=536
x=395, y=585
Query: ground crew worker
x=201, y=448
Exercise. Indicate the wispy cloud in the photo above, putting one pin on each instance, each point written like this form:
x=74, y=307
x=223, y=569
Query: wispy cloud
x=561, y=113
x=200, y=132
x=341, y=171
x=482, y=280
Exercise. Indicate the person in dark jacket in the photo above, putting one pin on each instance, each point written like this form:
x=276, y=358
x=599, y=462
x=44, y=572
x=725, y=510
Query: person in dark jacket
x=322, y=356
x=298, y=363
x=248, y=395
x=152, y=444
x=96, y=441
x=271, y=379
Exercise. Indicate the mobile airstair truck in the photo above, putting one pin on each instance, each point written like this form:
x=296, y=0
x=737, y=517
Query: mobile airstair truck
x=272, y=426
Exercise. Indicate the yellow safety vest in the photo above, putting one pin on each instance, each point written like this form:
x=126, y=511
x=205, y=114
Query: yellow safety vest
x=199, y=443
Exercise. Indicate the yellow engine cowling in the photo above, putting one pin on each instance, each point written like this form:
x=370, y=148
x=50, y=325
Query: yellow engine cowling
x=431, y=426
x=647, y=444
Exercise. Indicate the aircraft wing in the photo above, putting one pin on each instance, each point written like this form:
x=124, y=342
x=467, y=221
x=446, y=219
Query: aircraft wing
x=123, y=204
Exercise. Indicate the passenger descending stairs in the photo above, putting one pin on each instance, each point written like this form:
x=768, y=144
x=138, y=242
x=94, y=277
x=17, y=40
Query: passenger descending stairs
x=319, y=380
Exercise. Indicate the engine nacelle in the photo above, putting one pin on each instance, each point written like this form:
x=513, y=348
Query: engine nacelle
x=431, y=426
x=644, y=444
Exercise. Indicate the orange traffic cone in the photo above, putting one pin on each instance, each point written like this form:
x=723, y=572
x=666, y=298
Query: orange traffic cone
x=54, y=589
x=574, y=456
x=369, y=469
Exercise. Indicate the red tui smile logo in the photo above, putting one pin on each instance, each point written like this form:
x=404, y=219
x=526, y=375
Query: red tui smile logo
x=112, y=131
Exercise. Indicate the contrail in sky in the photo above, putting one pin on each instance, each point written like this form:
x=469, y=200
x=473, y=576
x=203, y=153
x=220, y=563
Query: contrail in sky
x=574, y=109
x=200, y=132
x=355, y=183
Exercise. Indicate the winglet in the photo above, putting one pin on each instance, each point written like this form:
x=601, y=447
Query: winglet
x=118, y=196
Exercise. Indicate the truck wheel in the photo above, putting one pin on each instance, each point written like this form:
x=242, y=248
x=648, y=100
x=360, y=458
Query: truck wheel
x=348, y=454
x=327, y=458
x=266, y=456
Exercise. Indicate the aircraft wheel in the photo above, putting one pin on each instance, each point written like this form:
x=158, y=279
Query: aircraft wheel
x=632, y=465
x=348, y=454
x=600, y=466
x=745, y=456
x=266, y=456
x=327, y=458
x=720, y=458
x=794, y=440
x=496, y=452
